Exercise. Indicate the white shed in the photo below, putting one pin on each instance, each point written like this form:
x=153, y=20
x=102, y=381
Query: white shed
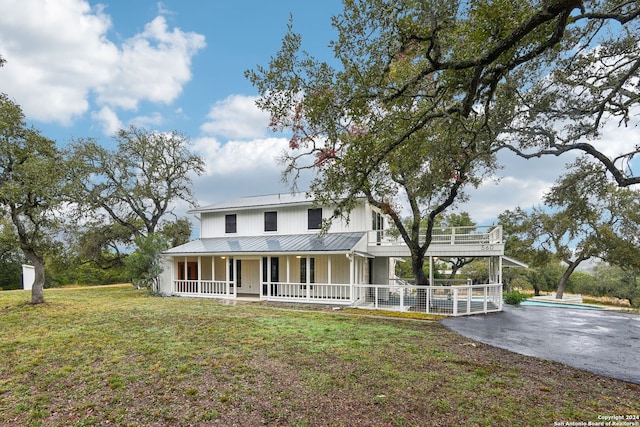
x=28, y=276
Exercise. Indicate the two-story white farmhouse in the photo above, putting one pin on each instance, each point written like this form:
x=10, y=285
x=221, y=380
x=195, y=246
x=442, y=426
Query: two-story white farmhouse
x=271, y=248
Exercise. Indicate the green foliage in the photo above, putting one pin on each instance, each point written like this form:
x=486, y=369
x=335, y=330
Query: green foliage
x=615, y=281
x=514, y=297
x=586, y=215
x=144, y=264
x=177, y=232
x=410, y=114
x=33, y=188
x=136, y=184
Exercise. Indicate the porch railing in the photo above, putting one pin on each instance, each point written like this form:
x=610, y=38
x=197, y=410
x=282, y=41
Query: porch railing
x=205, y=288
x=307, y=292
x=454, y=300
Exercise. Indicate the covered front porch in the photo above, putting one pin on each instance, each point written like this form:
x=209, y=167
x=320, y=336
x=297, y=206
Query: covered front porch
x=319, y=278
x=350, y=279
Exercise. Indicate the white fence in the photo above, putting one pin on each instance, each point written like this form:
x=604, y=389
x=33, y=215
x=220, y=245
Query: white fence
x=444, y=300
x=456, y=300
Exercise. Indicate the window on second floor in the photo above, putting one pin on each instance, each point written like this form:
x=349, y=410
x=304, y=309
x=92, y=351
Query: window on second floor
x=271, y=221
x=314, y=219
x=230, y=223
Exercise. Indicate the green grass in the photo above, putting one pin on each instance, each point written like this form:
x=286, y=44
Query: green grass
x=116, y=356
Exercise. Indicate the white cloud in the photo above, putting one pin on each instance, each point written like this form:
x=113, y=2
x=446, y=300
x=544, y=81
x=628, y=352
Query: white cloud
x=108, y=119
x=58, y=55
x=152, y=66
x=150, y=120
x=235, y=157
x=236, y=117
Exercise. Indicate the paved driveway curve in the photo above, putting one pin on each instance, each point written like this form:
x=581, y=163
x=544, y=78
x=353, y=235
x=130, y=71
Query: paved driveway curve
x=602, y=342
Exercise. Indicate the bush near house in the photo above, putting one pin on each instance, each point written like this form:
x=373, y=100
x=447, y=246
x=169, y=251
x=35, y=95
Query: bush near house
x=513, y=297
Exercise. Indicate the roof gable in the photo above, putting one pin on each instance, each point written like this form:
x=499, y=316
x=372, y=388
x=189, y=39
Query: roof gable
x=253, y=202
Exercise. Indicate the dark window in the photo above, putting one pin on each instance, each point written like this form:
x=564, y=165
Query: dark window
x=271, y=221
x=235, y=270
x=314, y=217
x=275, y=276
x=378, y=226
x=192, y=271
x=303, y=271
x=230, y=223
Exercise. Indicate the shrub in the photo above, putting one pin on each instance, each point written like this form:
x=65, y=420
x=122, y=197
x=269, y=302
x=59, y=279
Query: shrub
x=514, y=297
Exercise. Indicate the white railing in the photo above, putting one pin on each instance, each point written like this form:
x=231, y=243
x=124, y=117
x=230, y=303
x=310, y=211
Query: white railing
x=455, y=300
x=205, y=288
x=444, y=300
x=307, y=292
x=473, y=235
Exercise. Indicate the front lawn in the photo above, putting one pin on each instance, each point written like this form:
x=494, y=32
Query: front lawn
x=116, y=356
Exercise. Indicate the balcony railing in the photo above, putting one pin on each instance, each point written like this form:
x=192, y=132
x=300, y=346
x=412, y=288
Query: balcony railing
x=473, y=235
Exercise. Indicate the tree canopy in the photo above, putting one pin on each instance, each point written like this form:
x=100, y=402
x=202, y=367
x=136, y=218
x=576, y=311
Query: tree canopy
x=585, y=216
x=136, y=183
x=33, y=188
x=424, y=93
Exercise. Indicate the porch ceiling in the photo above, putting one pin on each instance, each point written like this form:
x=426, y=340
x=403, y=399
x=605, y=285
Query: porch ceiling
x=330, y=242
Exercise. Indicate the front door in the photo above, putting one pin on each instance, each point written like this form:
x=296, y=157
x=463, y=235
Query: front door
x=250, y=279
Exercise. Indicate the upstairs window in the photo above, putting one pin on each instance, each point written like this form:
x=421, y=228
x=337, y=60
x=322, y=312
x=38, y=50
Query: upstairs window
x=314, y=219
x=271, y=221
x=230, y=223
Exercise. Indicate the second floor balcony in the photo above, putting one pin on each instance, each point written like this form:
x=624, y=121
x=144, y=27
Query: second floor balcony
x=449, y=241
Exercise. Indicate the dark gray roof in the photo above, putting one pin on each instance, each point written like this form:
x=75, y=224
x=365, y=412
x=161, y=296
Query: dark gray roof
x=330, y=242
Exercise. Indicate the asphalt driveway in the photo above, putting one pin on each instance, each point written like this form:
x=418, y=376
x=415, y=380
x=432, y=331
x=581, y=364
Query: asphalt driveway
x=602, y=342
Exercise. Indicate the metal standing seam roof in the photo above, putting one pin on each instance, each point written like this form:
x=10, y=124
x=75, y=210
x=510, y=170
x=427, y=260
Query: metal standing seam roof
x=331, y=242
x=253, y=202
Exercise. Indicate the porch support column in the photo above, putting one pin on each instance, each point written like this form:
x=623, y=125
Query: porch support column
x=431, y=270
x=288, y=269
x=329, y=269
x=227, y=277
x=213, y=268
x=199, y=274
x=268, y=281
x=352, y=268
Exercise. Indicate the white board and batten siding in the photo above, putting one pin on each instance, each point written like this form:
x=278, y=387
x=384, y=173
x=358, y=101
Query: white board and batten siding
x=291, y=220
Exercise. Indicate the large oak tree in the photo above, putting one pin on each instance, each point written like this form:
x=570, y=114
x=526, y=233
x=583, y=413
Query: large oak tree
x=421, y=95
x=32, y=189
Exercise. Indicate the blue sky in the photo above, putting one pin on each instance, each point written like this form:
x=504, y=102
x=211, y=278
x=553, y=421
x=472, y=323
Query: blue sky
x=82, y=68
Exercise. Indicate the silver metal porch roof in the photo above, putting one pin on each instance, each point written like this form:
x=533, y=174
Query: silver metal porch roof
x=330, y=242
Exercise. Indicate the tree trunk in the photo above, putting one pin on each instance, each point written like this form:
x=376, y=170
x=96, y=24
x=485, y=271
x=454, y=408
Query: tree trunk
x=417, y=264
x=37, y=291
x=565, y=277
